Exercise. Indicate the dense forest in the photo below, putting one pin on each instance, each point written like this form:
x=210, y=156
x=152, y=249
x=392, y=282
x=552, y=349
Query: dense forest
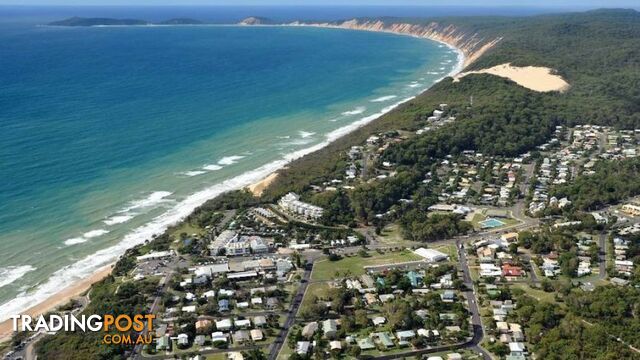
x=586, y=328
x=610, y=184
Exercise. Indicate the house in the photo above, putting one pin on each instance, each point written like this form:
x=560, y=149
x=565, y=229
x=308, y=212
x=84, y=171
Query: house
x=448, y=296
x=203, y=324
x=259, y=321
x=386, y=297
x=511, y=271
x=335, y=345
x=272, y=303
x=189, y=309
x=385, y=340
x=242, y=305
x=454, y=356
x=241, y=337
x=502, y=327
x=256, y=335
x=218, y=337
x=379, y=320
x=224, y=325
x=414, y=278
x=517, y=348
x=405, y=336
x=619, y=282
x=243, y=324
x=302, y=347
x=223, y=305
x=489, y=270
x=200, y=340
x=309, y=329
x=330, y=328
x=226, y=292
x=256, y=301
x=163, y=343
x=509, y=237
x=370, y=298
x=453, y=329
x=366, y=344
x=209, y=294
x=235, y=355
x=183, y=339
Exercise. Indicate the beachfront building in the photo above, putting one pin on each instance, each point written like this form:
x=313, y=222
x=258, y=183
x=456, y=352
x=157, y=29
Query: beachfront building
x=221, y=241
x=238, y=246
x=292, y=204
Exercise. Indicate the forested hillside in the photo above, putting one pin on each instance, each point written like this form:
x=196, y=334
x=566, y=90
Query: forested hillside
x=598, y=52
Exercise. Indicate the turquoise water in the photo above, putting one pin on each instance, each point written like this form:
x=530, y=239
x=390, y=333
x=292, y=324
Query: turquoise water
x=491, y=223
x=107, y=135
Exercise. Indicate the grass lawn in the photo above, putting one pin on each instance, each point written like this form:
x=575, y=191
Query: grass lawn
x=449, y=249
x=536, y=293
x=187, y=228
x=326, y=270
x=313, y=290
x=220, y=356
x=392, y=235
x=479, y=217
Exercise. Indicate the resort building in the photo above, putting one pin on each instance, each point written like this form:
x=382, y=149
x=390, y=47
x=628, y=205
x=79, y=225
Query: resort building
x=292, y=204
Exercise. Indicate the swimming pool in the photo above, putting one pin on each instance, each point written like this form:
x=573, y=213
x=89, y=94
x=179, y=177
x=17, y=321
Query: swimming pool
x=491, y=223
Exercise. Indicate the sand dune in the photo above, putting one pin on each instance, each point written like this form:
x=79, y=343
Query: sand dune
x=535, y=78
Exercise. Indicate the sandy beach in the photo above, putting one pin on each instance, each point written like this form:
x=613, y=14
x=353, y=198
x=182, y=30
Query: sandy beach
x=536, y=78
x=258, y=188
x=64, y=296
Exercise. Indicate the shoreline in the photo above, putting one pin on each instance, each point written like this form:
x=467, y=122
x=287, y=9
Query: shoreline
x=64, y=296
x=257, y=180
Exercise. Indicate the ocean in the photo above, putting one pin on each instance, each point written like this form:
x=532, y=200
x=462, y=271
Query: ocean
x=109, y=134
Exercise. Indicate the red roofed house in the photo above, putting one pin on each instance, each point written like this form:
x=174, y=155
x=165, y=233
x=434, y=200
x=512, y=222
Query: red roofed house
x=511, y=271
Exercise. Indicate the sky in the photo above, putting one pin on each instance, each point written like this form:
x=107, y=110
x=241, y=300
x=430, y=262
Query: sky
x=475, y=3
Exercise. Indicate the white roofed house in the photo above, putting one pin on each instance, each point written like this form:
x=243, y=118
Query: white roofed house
x=303, y=347
x=218, y=336
x=183, y=340
x=259, y=321
x=224, y=324
x=329, y=328
x=257, y=335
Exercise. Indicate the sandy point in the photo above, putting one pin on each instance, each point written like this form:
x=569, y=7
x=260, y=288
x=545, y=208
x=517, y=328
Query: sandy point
x=258, y=188
x=61, y=298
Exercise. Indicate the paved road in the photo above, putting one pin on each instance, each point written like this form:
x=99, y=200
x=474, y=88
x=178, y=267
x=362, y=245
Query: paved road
x=137, y=350
x=603, y=255
x=472, y=302
x=291, y=316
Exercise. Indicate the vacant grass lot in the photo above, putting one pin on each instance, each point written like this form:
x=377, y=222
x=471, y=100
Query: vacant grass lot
x=325, y=270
